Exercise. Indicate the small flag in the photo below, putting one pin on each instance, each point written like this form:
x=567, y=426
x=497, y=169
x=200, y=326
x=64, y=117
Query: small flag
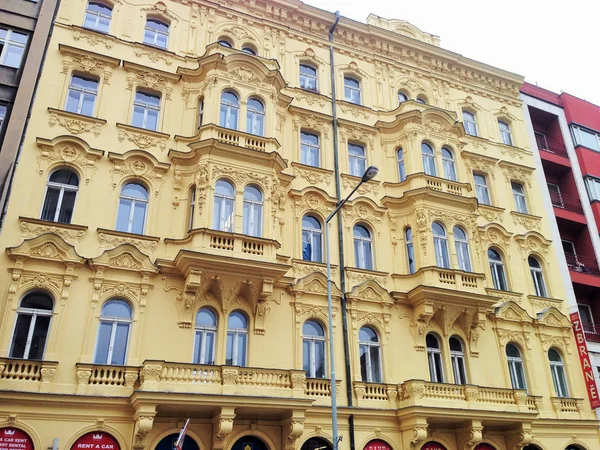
x=181, y=437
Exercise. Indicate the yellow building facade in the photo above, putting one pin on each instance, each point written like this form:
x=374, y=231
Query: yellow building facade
x=164, y=241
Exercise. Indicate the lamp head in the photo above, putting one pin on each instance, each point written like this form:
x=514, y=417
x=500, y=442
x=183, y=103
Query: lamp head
x=370, y=173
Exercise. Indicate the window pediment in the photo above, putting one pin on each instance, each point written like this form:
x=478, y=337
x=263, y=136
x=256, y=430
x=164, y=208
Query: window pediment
x=370, y=291
x=316, y=284
x=363, y=209
x=353, y=69
x=516, y=172
x=87, y=61
x=160, y=10
x=312, y=199
x=138, y=164
x=510, y=311
x=310, y=56
x=480, y=163
x=69, y=151
x=124, y=257
x=150, y=78
x=552, y=317
x=46, y=247
x=494, y=234
x=532, y=242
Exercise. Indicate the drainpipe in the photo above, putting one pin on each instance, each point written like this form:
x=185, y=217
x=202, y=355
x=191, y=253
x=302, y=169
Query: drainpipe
x=338, y=193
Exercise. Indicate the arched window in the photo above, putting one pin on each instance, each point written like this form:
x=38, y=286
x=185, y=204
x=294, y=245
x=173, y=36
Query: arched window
x=192, y=206
x=515, y=367
x=434, y=357
x=312, y=239
x=113, y=333
x=449, y=164
x=82, y=95
x=519, y=197
x=481, y=189
x=230, y=110
x=255, y=117
x=462, y=249
x=352, y=90
x=428, y=159
x=205, y=337
x=400, y=162
x=59, y=201
x=440, y=244
x=457, y=357
x=402, y=97
x=146, y=109
x=225, y=43
x=253, y=211
x=537, y=274
x=308, y=78
x=470, y=123
x=247, y=48
x=224, y=206
x=410, y=250
x=133, y=205
x=421, y=99
x=363, y=248
x=313, y=349
x=559, y=378
x=497, y=270
x=309, y=149
x=370, y=355
x=505, y=132
x=357, y=160
x=156, y=33
x=237, y=339
x=31, y=330
x=97, y=17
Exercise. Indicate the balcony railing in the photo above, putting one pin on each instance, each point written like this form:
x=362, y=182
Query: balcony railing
x=238, y=138
x=17, y=374
x=550, y=146
x=591, y=331
x=582, y=264
x=566, y=202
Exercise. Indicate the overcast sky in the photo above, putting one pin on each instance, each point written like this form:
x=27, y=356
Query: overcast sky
x=554, y=43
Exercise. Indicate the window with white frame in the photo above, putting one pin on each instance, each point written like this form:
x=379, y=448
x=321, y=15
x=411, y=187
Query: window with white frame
x=555, y=195
x=237, y=339
x=559, y=377
x=434, y=358
x=440, y=244
x=61, y=192
x=82, y=95
x=519, y=197
x=410, y=250
x=113, y=333
x=192, y=206
x=229, y=110
x=428, y=159
x=402, y=97
x=516, y=368
x=352, y=90
x=587, y=138
x=481, y=189
x=312, y=239
x=585, y=313
x=255, y=117
x=457, y=358
x=505, y=133
x=31, y=329
x=146, y=109
x=308, y=78
x=370, y=355
x=537, y=275
x=205, y=337
x=357, y=160
x=253, y=211
x=97, y=17
x=497, y=270
x=309, y=149
x=470, y=123
x=313, y=349
x=12, y=47
x=156, y=33
x=3, y=112
x=200, y=112
x=449, y=164
x=400, y=163
x=461, y=242
x=593, y=185
x=224, y=206
x=133, y=206
x=363, y=248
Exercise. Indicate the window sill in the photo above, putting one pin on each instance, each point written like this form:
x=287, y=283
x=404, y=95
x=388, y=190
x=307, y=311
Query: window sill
x=76, y=116
x=358, y=276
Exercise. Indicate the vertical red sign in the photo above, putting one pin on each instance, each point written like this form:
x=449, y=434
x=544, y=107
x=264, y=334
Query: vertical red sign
x=584, y=359
x=14, y=439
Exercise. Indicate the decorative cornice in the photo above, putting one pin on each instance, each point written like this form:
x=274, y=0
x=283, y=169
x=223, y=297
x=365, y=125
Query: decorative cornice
x=111, y=239
x=75, y=123
x=314, y=175
x=142, y=137
x=71, y=233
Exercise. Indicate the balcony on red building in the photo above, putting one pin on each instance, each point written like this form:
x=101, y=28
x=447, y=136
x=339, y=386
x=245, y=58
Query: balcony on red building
x=549, y=138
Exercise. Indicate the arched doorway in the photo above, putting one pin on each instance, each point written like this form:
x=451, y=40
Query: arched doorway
x=249, y=443
x=484, y=446
x=432, y=445
x=15, y=439
x=168, y=443
x=316, y=443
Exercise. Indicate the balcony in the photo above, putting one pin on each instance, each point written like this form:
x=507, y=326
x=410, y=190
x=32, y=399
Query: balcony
x=26, y=375
x=232, y=137
x=591, y=331
x=420, y=180
x=548, y=145
x=567, y=207
x=96, y=378
x=442, y=278
x=583, y=270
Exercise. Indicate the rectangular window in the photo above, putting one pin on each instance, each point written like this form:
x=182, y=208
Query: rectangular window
x=309, y=149
x=585, y=313
x=146, y=108
x=593, y=185
x=82, y=95
x=3, y=111
x=586, y=138
x=555, y=196
x=519, y=197
x=12, y=47
x=357, y=160
x=481, y=189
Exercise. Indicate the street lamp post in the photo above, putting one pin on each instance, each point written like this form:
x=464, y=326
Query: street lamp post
x=368, y=175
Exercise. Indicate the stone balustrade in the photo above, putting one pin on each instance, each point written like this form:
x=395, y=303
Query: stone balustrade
x=238, y=138
x=420, y=180
x=444, y=278
x=567, y=405
x=26, y=375
x=91, y=378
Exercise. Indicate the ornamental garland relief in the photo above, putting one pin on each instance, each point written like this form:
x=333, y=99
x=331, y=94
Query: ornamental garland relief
x=87, y=63
x=142, y=140
x=140, y=168
x=74, y=126
x=108, y=241
x=313, y=176
x=71, y=154
x=31, y=230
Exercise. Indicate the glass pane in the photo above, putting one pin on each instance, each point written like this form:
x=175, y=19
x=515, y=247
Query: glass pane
x=206, y=317
x=88, y=104
x=67, y=206
x=90, y=21
x=306, y=357
x=237, y=321
x=241, y=356
x=138, y=116
x=38, y=339
x=562, y=381
x=437, y=358
x=72, y=101
x=37, y=300
x=13, y=55
x=50, y=204
x=209, y=345
x=139, y=217
x=20, y=336
x=363, y=362
x=103, y=24
x=197, y=347
x=247, y=219
x=229, y=351
x=317, y=248
x=257, y=221
x=161, y=41
x=123, y=214
x=116, y=308
x=320, y=359
x=104, y=332
x=152, y=120
x=520, y=375
x=306, y=246
x=149, y=37
x=135, y=191
x=375, y=372
x=120, y=344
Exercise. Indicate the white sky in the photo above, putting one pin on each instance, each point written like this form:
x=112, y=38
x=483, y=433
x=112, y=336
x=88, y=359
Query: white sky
x=555, y=43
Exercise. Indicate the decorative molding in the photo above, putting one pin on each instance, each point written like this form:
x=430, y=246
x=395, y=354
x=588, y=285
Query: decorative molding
x=150, y=78
x=314, y=175
x=491, y=213
x=305, y=119
x=139, y=164
x=71, y=234
x=358, y=276
x=75, y=123
x=370, y=187
x=154, y=56
x=475, y=162
x=516, y=172
x=86, y=61
x=241, y=177
x=528, y=221
x=111, y=239
x=70, y=151
x=304, y=268
x=93, y=38
x=142, y=138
